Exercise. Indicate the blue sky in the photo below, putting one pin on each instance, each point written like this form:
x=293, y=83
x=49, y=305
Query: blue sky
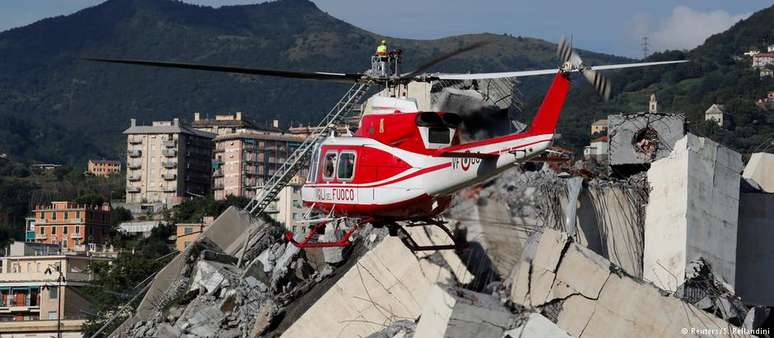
x=610, y=26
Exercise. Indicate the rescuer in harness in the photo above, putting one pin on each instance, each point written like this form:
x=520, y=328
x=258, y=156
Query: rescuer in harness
x=382, y=56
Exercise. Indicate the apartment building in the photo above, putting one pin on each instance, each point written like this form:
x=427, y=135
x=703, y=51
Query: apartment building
x=74, y=227
x=232, y=124
x=167, y=162
x=103, y=168
x=187, y=233
x=30, y=291
x=245, y=160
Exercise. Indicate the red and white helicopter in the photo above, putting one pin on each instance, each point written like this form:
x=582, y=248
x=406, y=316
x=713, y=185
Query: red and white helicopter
x=402, y=165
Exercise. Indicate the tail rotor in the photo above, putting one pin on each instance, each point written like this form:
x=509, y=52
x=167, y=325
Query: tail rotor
x=572, y=61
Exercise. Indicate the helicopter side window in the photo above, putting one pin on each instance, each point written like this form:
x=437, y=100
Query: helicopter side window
x=313, y=162
x=346, y=168
x=329, y=165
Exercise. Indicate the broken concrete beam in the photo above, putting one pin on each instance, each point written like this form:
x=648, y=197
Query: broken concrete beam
x=386, y=284
x=536, y=325
x=595, y=302
x=759, y=171
x=453, y=313
x=692, y=212
x=642, y=137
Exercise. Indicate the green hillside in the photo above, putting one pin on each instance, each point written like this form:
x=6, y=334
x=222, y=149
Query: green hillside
x=718, y=73
x=56, y=107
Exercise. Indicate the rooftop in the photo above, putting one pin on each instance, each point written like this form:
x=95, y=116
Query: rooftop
x=230, y=121
x=166, y=127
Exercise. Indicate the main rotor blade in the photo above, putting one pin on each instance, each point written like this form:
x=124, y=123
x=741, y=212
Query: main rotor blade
x=339, y=77
x=442, y=58
x=479, y=76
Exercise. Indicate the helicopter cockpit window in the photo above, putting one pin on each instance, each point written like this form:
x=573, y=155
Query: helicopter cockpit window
x=346, y=166
x=313, y=162
x=329, y=166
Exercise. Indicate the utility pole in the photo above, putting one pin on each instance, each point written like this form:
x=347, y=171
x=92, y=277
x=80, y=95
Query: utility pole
x=59, y=295
x=645, y=47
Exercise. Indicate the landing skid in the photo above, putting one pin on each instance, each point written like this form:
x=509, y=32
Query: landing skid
x=394, y=229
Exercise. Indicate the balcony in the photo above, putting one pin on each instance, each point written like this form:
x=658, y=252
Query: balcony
x=135, y=165
x=169, y=152
x=217, y=186
x=169, y=143
x=41, y=236
x=133, y=178
x=169, y=177
x=135, y=153
x=217, y=173
x=170, y=189
x=169, y=164
x=135, y=140
x=76, y=236
x=133, y=189
x=219, y=149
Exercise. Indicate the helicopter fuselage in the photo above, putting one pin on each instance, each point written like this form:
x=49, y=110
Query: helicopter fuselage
x=407, y=165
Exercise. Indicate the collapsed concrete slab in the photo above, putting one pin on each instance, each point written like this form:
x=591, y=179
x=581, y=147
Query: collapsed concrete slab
x=385, y=285
x=454, y=313
x=692, y=212
x=759, y=171
x=594, y=299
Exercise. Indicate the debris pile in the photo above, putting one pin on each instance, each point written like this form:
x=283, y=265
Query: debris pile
x=587, y=296
x=546, y=256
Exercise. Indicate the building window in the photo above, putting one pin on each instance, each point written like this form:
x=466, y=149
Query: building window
x=53, y=230
x=66, y=214
x=64, y=230
x=77, y=229
x=42, y=230
x=53, y=215
x=51, y=314
x=77, y=214
x=188, y=230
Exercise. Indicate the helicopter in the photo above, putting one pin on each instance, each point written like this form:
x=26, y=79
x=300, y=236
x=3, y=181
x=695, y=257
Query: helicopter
x=402, y=166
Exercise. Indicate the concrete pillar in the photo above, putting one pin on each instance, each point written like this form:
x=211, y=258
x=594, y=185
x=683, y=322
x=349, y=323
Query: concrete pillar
x=692, y=212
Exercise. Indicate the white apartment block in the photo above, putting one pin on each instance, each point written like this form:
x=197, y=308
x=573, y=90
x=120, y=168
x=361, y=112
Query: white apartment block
x=167, y=162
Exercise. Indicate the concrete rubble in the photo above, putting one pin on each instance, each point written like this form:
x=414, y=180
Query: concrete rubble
x=679, y=246
x=582, y=292
x=387, y=284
